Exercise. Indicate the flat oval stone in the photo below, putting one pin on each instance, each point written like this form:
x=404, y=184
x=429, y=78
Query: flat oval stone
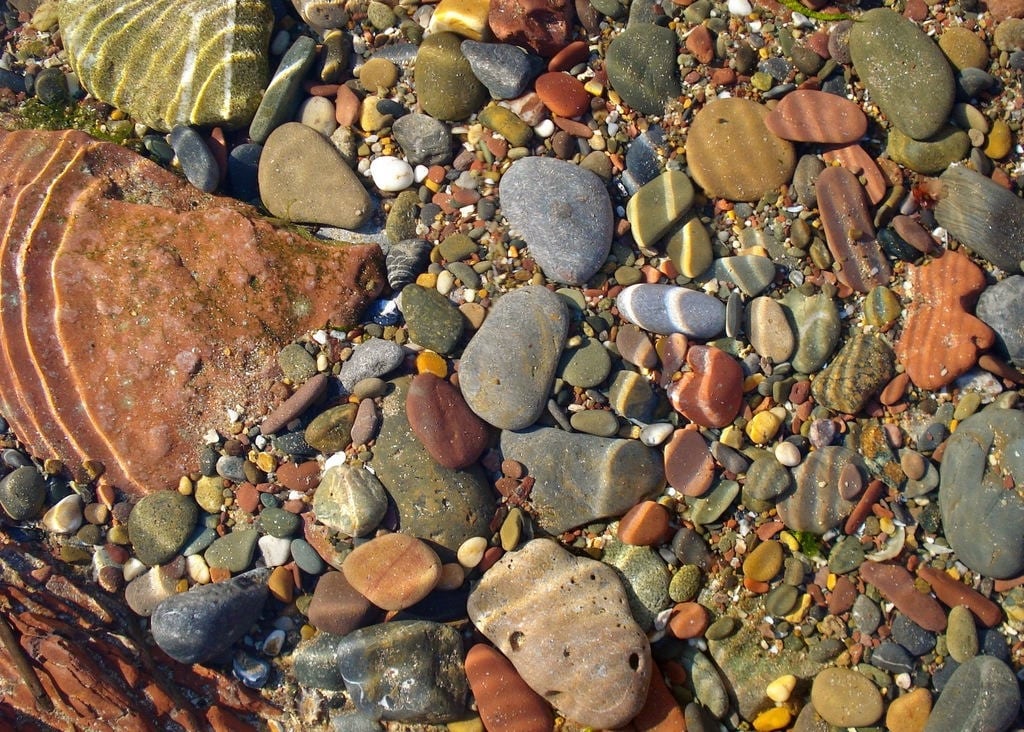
x=562, y=93
x=982, y=694
x=711, y=392
x=588, y=364
x=503, y=699
x=769, y=330
x=932, y=156
x=861, y=369
x=667, y=309
x=445, y=86
x=764, y=562
x=815, y=504
x=645, y=524
x=201, y=624
x=605, y=478
x=405, y=670
x=897, y=586
x=983, y=215
x=750, y=272
x=849, y=231
x=658, y=205
x=767, y=479
x=817, y=326
x=337, y=607
x=393, y=571
x=808, y=115
x=292, y=156
x=904, y=70
x=689, y=467
x=440, y=418
x=160, y=524
x=846, y=698
x=374, y=357
x=233, y=551
x=983, y=520
x=433, y=320
x=350, y=500
x=508, y=366
x=595, y=422
x=689, y=248
x=563, y=213
x=721, y=128
x=642, y=68
x=331, y=430
x=575, y=618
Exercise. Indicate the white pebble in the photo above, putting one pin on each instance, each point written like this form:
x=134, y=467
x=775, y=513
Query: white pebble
x=391, y=174
x=544, y=128
x=275, y=551
x=133, y=568
x=445, y=282
x=318, y=113
x=471, y=551
x=420, y=173
x=197, y=569
x=654, y=434
x=788, y=454
x=740, y=7
x=273, y=643
x=66, y=515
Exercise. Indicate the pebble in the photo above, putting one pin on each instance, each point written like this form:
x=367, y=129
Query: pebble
x=666, y=309
x=631, y=396
x=509, y=364
x=507, y=124
x=505, y=70
x=201, y=624
x=932, y=156
x=391, y=174
x=725, y=125
x=983, y=215
x=316, y=663
x=764, y=562
x=642, y=68
x=817, y=329
x=688, y=620
x=445, y=85
x=366, y=423
x=196, y=160
x=561, y=612
x=567, y=222
x=23, y=493
x=904, y=71
x=893, y=658
x=963, y=48
x=596, y=422
x=646, y=524
x=471, y=552
x=861, y=369
x=982, y=520
x=588, y=364
x=657, y=206
x=711, y=392
x=656, y=433
x=503, y=699
x=433, y=320
x=393, y=571
x=809, y=115
x=281, y=98
x=160, y=525
x=331, y=430
x=148, y=590
x=274, y=550
x=292, y=156
x=689, y=248
x=372, y=358
x=846, y=698
x=306, y=558
x=65, y=516
x=405, y=670
x=816, y=505
x=562, y=93
x=909, y=712
x=882, y=308
x=606, y=477
x=233, y=551
x=442, y=421
x=961, y=634
x=1000, y=308
x=645, y=579
x=751, y=273
x=982, y=694
x=708, y=686
x=770, y=332
x=767, y=478
x=423, y=139
x=897, y=586
x=350, y=500
x=338, y=608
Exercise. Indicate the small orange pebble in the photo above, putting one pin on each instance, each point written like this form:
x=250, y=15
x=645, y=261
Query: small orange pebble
x=219, y=574
x=756, y=586
x=281, y=585
x=428, y=362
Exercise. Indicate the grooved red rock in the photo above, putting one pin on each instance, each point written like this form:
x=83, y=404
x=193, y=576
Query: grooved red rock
x=441, y=420
x=504, y=700
x=809, y=115
x=136, y=308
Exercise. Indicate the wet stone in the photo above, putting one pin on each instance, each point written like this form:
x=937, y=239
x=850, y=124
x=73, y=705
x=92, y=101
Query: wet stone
x=393, y=571
x=710, y=507
x=331, y=430
x=893, y=658
x=373, y=357
x=433, y=320
x=506, y=70
x=666, y=309
x=407, y=670
x=631, y=396
x=160, y=525
x=195, y=158
x=23, y=493
x=316, y=663
x=588, y=364
x=897, y=586
x=808, y=115
x=931, y=156
x=279, y=523
x=445, y=85
x=961, y=634
x=645, y=579
x=350, y=500
x=711, y=392
x=846, y=698
x=642, y=68
x=233, y=551
x=596, y=422
x=815, y=504
x=443, y=422
x=423, y=139
x=1000, y=307
x=817, y=326
x=503, y=699
x=983, y=693
x=751, y=273
x=767, y=479
x=658, y=205
x=860, y=370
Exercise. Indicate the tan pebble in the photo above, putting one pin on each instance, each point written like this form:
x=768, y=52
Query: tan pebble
x=788, y=454
x=197, y=569
x=910, y=712
x=281, y=584
x=511, y=529
x=763, y=427
x=1000, y=140
x=914, y=464
x=393, y=571
x=65, y=517
x=773, y=719
x=764, y=562
x=452, y=576
x=780, y=689
x=185, y=486
x=471, y=551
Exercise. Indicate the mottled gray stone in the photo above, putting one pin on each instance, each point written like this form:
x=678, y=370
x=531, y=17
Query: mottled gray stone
x=982, y=694
x=645, y=578
x=23, y=493
x=503, y=68
x=815, y=504
x=642, y=67
x=983, y=215
x=316, y=663
x=374, y=357
x=423, y=139
x=1001, y=306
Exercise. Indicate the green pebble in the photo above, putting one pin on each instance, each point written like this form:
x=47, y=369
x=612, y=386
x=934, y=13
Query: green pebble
x=233, y=551
x=456, y=247
x=685, y=583
x=279, y=523
x=507, y=124
x=587, y=365
x=331, y=431
x=881, y=307
x=595, y=422
x=722, y=628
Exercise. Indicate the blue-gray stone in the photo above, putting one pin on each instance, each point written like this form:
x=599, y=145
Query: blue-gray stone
x=893, y=657
x=196, y=160
x=505, y=70
x=306, y=558
x=243, y=168
x=423, y=139
x=644, y=158
x=986, y=217
x=982, y=694
x=231, y=467
x=406, y=671
x=373, y=357
x=316, y=663
x=201, y=624
x=281, y=99
x=563, y=213
x=666, y=309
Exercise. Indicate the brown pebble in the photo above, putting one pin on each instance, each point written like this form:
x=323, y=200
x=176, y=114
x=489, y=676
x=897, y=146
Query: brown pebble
x=562, y=94
x=299, y=476
x=896, y=585
x=503, y=699
x=953, y=592
x=296, y=404
x=661, y=711
x=849, y=231
x=764, y=562
x=850, y=482
x=646, y=524
x=512, y=469
x=247, y=497
x=842, y=597
x=895, y=390
x=689, y=620
x=281, y=584
x=808, y=115
x=914, y=464
x=393, y=571
x=874, y=491
x=910, y=712
x=689, y=467
x=338, y=608
x=573, y=54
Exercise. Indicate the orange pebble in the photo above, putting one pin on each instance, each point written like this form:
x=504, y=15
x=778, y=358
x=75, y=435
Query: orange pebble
x=431, y=363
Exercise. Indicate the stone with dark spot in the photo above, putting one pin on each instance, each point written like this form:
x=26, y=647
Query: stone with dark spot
x=543, y=26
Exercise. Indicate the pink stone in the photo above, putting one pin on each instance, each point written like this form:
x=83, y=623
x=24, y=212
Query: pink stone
x=897, y=586
x=701, y=45
x=808, y=115
x=689, y=467
x=543, y=26
x=146, y=307
x=855, y=158
x=941, y=338
x=711, y=393
x=442, y=421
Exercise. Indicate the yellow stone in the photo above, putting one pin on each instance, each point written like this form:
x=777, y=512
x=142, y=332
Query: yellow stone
x=266, y=462
x=428, y=362
x=789, y=541
x=689, y=248
x=1000, y=140
x=781, y=689
x=773, y=719
x=307, y=631
x=763, y=427
x=909, y=713
x=732, y=437
x=797, y=616
x=467, y=18
x=471, y=724
x=281, y=585
x=185, y=486
x=427, y=279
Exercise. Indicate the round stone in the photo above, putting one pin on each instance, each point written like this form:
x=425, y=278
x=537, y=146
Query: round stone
x=846, y=698
x=391, y=174
x=642, y=68
x=445, y=85
x=764, y=562
x=23, y=493
x=160, y=525
x=393, y=571
x=350, y=500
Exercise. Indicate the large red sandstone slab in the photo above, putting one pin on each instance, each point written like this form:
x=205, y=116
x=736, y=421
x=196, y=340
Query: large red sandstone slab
x=135, y=309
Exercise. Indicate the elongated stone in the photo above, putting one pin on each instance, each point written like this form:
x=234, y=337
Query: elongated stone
x=441, y=420
x=849, y=231
x=897, y=586
x=167, y=62
x=809, y=115
x=580, y=478
x=667, y=309
x=505, y=701
x=983, y=215
x=575, y=619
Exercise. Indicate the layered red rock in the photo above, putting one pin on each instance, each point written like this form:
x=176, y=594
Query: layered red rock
x=136, y=308
x=711, y=392
x=505, y=702
x=941, y=339
x=441, y=420
x=809, y=115
x=849, y=231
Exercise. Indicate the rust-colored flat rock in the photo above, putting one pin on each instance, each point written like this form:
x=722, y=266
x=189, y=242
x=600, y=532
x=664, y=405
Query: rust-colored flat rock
x=856, y=159
x=896, y=585
x=135, y=308
x=941, y=339
x=809, y=115
x=849, y=231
